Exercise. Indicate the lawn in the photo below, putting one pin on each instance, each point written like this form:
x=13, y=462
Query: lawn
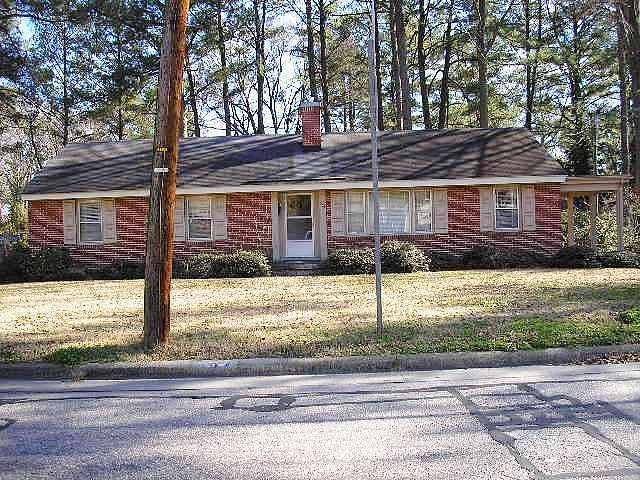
x=72, y=322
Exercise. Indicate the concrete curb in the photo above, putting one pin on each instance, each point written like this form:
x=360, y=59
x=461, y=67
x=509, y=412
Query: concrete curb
x=297, y=366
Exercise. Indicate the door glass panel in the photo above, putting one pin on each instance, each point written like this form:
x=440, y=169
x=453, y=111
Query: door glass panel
x=299, y=205
x=299, y=229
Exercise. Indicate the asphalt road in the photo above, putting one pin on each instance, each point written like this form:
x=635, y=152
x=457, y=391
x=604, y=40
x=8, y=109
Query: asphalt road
x=508, y=423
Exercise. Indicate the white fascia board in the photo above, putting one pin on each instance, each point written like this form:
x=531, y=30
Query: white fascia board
x=304, y=186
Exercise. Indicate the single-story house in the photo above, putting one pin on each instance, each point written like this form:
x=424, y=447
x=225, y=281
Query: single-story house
x=303, y=196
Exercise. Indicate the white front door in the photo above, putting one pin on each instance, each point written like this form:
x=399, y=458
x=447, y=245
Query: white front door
x=299, y=225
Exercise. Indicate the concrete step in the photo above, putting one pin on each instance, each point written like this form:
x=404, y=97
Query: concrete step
x=303, y=266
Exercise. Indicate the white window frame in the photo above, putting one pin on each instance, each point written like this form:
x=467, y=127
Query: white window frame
x=80, y=222
x=516, y=196
x=188, y=218
x=414, y=211
x=368, y=212
x=347, y=212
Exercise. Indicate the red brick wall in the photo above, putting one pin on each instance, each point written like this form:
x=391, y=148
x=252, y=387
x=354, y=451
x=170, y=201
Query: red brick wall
x=464, y=226
x=248, y=227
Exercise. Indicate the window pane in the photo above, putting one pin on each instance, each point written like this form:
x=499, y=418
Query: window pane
x=200, y=229
x=506, y=218
x=199, y=207
x=355, y=212
x=299, y=229
x=423, y=211
x=506, y=199
x=299, y=205
x=90, y=232
x=90, y=211
x=394, y=212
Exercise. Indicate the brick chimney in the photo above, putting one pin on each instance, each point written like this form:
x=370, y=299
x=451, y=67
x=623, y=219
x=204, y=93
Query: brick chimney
x=311, y=131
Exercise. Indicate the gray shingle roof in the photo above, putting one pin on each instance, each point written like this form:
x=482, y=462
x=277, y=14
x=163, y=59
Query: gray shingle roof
x=251, y=160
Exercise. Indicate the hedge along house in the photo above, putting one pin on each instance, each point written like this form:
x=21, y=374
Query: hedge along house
x=300, y=197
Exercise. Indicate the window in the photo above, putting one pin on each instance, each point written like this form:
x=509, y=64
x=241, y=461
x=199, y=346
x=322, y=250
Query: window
x=199, y=218
x=394, y=212
x=355, y=212
x=423, y=211
x=400, y=212
x=507, y=214
x=90, y=221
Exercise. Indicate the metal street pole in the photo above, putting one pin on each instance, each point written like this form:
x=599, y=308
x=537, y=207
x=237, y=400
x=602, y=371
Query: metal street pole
x=373, y=89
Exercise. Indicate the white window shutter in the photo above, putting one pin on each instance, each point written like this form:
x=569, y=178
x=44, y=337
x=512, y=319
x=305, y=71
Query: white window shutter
x=219, y=209
x=69, y=221
x=109, y=220
x=440, y=211
x=178, y=221
x=487, y=212
x=337, y=213
x=528, y=200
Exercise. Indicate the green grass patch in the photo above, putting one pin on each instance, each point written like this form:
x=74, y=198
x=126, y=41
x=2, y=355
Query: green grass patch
x=77, y=354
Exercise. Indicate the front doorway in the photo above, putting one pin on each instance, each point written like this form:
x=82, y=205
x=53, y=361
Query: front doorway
x=299, y=225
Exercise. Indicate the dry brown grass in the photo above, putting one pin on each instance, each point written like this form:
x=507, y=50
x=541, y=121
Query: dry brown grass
x=311, y=316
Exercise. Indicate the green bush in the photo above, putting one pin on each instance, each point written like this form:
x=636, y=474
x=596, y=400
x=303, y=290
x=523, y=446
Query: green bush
x=51, y=264
x=17, y=265
x=630, y=317
x=122, y=270
x=490, y=257
x=396, y=257
x=576, y=257
x=351, y=261
x=445, y=261
x=619, y=260
x=241, y=264
x=403, y=257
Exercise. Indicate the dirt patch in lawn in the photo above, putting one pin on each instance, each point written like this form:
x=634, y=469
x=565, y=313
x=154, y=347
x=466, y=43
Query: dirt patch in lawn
x=75, y=322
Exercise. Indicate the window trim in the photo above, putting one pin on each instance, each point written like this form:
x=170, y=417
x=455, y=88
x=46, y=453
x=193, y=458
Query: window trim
x=80, y=222
x=368, y=212
x=516, y=191
x=188, y=219
x=414, y=211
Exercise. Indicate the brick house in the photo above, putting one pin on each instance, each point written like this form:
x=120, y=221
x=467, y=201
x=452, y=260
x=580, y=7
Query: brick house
x=302, y=197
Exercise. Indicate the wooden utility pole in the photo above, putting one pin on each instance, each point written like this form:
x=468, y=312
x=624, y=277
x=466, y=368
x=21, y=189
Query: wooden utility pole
x=162, y=197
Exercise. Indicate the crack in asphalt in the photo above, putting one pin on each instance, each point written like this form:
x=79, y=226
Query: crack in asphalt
x=500, y=421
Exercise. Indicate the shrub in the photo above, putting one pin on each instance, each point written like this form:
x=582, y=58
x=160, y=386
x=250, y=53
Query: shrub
x=396, y=257
x=576, y=257
x=241, y=264
x=351, y=261
x=445, y=261
x=51, y=264
x=619, y=260
x=487, y=256
x=630, y=317
x=403, y=257
x=17, y=265
x=121, y=270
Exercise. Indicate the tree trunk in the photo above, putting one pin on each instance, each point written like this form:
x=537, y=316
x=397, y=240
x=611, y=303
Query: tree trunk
x=624, y=102
x=532, y=64
x=259, y=22
x=405, y=86
x=311, y=53
x=192, y=98
x=120, y=75
x=65, y=76
x=223, y=65
x=326, y=116
x=162, y=196
x=631, y=12
x=443, y=111
x=483, y=86
x=424, y=89
x=395, y=76
x=378, y=74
